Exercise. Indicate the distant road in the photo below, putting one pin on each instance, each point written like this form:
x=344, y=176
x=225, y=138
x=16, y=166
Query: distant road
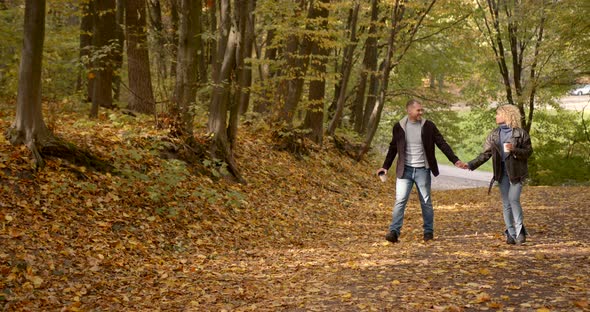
x=453, y=178
x=575, y=102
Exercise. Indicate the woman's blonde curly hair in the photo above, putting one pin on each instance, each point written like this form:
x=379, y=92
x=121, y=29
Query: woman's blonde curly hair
x=511, y=114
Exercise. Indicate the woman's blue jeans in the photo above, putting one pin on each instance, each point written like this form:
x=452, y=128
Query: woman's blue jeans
x=403, y=187
x=512, y=208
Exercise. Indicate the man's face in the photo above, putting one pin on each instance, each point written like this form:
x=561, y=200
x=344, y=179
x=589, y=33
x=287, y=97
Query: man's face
x=415, y=112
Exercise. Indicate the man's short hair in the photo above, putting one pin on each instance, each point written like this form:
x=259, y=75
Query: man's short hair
x=412, y=102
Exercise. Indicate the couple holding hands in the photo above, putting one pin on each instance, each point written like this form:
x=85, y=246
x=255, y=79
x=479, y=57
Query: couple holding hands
x=414, y=140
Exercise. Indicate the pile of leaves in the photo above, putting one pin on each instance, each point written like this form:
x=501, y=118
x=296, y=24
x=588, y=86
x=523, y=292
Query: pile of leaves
x=302, y=234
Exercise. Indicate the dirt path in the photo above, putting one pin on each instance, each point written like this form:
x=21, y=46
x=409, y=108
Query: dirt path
x=468, y=267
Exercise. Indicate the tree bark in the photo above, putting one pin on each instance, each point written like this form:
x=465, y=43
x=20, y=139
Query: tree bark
x=225, y=61
x=369, y=68
x=292, y=87
x=267, y=72
x=118, y=51
x=186, y=75
x=346, y=69
x=173, y=36
x=104, y=32
x=141, y=97
x=314, y=118
x=247, y=37
x=85, y=48
x=157, y=27
x=28, y=127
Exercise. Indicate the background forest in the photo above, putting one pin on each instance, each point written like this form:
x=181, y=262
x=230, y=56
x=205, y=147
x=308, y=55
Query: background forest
x=311, y=69
x=217, y=155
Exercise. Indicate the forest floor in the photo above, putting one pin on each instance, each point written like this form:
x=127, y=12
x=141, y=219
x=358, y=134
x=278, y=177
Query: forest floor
x=304, y=234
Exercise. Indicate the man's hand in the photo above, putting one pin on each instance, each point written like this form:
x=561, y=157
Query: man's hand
x=381, y=170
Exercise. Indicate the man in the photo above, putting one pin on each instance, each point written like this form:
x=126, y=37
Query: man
x=413, y=142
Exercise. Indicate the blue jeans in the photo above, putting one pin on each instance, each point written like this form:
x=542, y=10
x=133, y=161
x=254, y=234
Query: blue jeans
x=512, y=208
x=403, y=187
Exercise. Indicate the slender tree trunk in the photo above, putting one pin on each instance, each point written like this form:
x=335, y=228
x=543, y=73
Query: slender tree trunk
x=247, y=38
x=346, y=69
x=157, y=27
x=85, y=48
x=141, y=98
x=104, y=31
x=28, y=127
x=118, y=52
x=528, y=120
x=368, y=69
x=173, y=36
x=267, y=72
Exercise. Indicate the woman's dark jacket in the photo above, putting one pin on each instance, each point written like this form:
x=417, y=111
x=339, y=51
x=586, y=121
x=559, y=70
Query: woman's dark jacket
x=516, y=162
x=430, y=137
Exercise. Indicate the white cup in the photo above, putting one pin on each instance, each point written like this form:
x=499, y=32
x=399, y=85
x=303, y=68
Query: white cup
x=506, y=147
x=383, y=177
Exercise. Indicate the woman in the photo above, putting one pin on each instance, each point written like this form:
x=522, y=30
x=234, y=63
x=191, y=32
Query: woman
x=510, y=147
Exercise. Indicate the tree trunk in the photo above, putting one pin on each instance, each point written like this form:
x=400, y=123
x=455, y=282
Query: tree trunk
x=85, y=48
x=314, y=118
x=118, y=51
x=104, y=31
x=266, y=73
x=157, y=27
x=369, y=67
x=141, y=97
x=247, y=38
x=28, y=127
x=186, y=75
x=173, y=36
x=346, y=69
x=292, y=87
x=220, y=103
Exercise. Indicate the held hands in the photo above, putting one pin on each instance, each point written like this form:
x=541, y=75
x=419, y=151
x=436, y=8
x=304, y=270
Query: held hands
x=462, y=165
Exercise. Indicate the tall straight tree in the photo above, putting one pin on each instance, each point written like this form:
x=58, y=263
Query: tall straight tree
x=173, y=34
x=157, y=26
x=186, y=71
x=102, y=41
x=347, y=63
x=368, y=72
x=295, y=52
x=28, y=127
x=141, y=97
x=86, y=19
x=118, y=48
x=247, y=37
x=314, y=118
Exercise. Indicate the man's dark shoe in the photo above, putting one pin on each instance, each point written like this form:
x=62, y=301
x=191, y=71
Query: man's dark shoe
x=391, y=236
x=428, y=236
x=510, y=240
x=521, y=239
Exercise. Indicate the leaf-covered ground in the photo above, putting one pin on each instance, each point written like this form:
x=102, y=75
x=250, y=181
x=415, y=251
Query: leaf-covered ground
x=302, y=235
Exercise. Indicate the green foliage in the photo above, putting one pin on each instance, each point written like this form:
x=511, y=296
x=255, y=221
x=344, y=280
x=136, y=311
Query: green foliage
x=11, y=22
x=60, y=62
x=561, y=149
